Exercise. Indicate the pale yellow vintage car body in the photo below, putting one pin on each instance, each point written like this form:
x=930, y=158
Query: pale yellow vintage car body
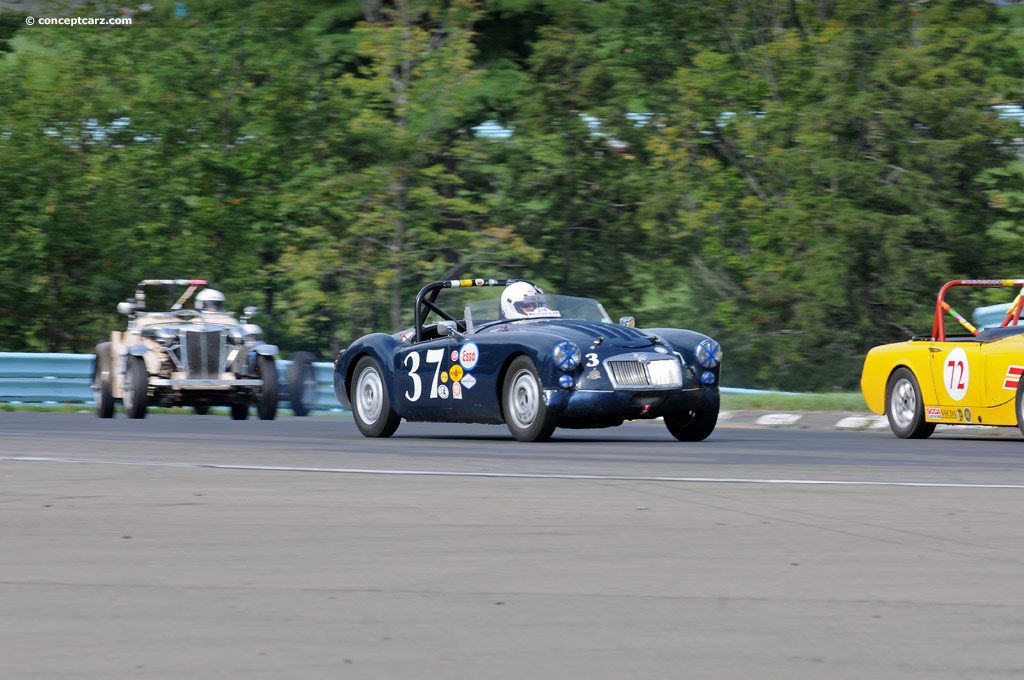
x=121, y=341
x=986, y=397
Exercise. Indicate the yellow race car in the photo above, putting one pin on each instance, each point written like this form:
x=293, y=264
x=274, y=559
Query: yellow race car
x=967, y=379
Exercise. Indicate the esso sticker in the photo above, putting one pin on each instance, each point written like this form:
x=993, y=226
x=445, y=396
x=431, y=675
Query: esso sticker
x=956, y=374
x=469, y=354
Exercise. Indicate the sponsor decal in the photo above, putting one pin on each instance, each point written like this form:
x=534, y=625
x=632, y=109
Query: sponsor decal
x=956, y=374
x=967, y=415
x=645, y=409
x=444, y=376
x=465, y=283
x=442, y=391
x=660, y=350
x=469, y=354
x=468, y=381
x=1013, y=374
x=960, y=415
x=456, y=373
x=479, y=282
x=933, y=413
x=948, y=413
x=455, y=355
x=594, y=374
x=456, y=391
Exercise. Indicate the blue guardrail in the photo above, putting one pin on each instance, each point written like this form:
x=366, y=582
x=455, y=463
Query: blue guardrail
x=38, y=378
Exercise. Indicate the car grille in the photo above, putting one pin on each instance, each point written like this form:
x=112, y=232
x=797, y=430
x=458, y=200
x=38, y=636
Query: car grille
x=633, y=374
x=202, y=353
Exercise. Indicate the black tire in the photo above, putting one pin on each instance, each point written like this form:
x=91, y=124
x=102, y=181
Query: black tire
x=266, y=398
x=301, y=383
x=695, y=425
x=904, y=406
x=527, y=417
x=1020, y=406
x=102, y=393
x=201, y=409
x=371, y=404
x=136, y=383
x=240, y=410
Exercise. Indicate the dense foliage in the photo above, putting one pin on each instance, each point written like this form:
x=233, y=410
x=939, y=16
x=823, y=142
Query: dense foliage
x=795, y=177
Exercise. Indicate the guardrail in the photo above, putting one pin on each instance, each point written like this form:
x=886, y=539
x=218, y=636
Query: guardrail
x=38, y=378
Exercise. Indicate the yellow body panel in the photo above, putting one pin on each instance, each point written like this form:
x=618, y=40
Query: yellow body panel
x=962, y=380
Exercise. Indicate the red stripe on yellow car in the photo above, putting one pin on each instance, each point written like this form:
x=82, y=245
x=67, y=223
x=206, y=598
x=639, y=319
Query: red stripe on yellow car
x=1013, y=374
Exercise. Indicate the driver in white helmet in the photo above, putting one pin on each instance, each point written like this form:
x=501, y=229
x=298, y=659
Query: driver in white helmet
x=522, y=300
x=210, y=300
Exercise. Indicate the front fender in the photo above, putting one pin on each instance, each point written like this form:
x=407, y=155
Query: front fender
x=265, y=350
x=381, y=347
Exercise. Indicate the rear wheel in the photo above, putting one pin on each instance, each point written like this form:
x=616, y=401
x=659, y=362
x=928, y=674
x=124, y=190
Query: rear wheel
x=266, y=399
x=301, y=379
x=695, y=425
x=904, y=406
x=371, y=405
x=526, y=415
x=136, y=382
x=240, y=411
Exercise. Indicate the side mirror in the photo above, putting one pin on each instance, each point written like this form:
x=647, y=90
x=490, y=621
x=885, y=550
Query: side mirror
x=449, y=328
x=627, y=321
x=248, y=313
x=127, y=307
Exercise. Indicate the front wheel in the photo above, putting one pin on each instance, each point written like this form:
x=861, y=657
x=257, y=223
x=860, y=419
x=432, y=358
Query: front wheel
x=694, y=425
x=526, y=415
x=371, y=405
x=136, y=383
x=904, y=406
x=101, y=391
x=266, y=399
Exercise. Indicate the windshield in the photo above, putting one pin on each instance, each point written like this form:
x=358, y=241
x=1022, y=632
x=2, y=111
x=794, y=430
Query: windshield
x=487, y=310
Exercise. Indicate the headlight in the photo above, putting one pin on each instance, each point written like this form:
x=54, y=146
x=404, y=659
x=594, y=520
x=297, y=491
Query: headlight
x=709, y=353
x=166, y=336
x=567, y=355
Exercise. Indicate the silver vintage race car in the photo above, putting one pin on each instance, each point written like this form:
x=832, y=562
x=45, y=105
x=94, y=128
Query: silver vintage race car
x=198, y=356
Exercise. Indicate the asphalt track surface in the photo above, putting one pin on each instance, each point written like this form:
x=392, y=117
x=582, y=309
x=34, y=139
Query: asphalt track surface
x=200, y=547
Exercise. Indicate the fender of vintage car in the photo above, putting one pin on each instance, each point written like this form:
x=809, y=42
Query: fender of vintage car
x=880, y=363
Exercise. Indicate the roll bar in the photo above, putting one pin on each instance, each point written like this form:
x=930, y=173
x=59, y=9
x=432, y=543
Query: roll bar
x=426, y=299
x=1012, y=314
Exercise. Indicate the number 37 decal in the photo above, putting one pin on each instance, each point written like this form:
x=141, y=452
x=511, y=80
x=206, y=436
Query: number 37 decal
x=412, y=362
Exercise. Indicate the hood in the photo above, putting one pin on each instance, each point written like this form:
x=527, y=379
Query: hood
x=584, y=333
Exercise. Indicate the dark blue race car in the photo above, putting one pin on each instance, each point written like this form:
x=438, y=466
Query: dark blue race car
x=532, y=361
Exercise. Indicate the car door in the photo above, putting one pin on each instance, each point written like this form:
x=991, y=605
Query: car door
x=958, y=373
x=422, y=380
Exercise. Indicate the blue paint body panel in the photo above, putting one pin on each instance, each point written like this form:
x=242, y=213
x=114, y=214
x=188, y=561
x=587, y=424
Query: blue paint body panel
x=433, y=380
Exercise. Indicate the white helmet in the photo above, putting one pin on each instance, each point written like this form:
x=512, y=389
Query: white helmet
x=210, y=300
x=522, y=300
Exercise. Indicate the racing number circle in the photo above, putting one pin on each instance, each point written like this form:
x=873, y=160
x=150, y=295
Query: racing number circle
x=956, y=374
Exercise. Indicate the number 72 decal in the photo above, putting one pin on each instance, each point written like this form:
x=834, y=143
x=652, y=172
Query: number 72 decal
x=412, y=362
x=956, y=374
